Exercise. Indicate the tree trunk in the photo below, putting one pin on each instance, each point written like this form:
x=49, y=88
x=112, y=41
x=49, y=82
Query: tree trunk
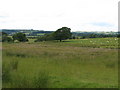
x=60, y=40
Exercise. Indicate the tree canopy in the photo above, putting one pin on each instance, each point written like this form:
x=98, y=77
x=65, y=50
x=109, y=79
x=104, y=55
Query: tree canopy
x=20, y=37
x=5, y=37
x=62, y=33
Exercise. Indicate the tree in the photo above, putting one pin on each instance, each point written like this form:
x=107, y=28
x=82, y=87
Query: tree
x=20, y=37
x=4, y=34
x=62, y=33
x=5, y=37
x=40, y=39
x=82, y=37
x=46, y=37
x=73, y=37
x=118, y=35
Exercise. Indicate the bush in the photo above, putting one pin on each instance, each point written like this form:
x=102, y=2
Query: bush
x=20, y=37
x=83, y=37
x=39, y=39
x=6, y=39
x=46, y=37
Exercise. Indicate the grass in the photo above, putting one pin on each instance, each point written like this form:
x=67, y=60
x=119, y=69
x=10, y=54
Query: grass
x=111, y=43
x=41, y=34
x=0, y=65
x=60, y=65
x=97, y=42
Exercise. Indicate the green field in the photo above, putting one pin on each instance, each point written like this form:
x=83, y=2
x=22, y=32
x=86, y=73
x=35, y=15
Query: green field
x=79, y=63
x=0, y=65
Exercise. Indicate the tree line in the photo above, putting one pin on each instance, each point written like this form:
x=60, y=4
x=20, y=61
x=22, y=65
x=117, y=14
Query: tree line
x=60, y=34
x=18, y=36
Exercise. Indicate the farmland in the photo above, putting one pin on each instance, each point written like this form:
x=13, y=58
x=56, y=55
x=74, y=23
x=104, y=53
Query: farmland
x=74, y=63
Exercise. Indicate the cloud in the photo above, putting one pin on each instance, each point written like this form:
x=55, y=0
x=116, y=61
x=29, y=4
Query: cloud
x=3, y=16
x=53, y=14
x=102, y=24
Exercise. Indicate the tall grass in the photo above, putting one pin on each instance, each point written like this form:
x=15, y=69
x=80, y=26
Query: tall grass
x=59, y=65
x=40, y=80
x=14, y=79
x=6, y=73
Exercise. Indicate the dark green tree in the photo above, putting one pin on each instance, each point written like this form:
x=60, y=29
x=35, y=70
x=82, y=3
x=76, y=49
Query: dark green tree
x=4, y=34
x=46, y=37
x=49, y=37
x=62, y=34
x=118, y=35
x=21, y=37
x=40, y=39
x=5, y=37
x=82, y=37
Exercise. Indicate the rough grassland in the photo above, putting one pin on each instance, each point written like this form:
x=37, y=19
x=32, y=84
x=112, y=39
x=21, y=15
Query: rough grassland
x=0, y=65
x=59, y=65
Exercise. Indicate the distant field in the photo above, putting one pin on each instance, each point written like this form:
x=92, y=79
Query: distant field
x=41, y=34
x=96, y=42
x=111, y=43
x=0, y=64
x=80, y=63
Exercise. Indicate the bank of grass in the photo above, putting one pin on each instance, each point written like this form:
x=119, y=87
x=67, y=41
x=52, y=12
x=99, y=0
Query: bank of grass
x=59, y=65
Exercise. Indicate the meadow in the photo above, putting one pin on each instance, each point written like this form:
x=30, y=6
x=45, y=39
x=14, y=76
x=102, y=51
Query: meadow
x=79, y=63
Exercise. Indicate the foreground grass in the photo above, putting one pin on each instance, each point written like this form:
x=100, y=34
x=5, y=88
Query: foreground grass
x=0, y=65
x=58, y=65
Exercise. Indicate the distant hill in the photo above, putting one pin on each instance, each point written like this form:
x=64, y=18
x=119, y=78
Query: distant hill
x=31, y=32
x=28, y=32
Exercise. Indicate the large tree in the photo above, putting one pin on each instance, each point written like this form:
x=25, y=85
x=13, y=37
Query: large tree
x=21, y=37
x=62, y=33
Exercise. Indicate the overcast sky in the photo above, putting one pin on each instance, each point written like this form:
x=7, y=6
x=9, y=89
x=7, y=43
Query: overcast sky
x=79, y=15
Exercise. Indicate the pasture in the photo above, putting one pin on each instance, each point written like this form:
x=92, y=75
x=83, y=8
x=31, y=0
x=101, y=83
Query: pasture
x=79, y=63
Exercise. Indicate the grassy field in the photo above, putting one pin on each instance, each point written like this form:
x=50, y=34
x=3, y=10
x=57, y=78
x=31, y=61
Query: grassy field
x=0, y=65
x=80, y=63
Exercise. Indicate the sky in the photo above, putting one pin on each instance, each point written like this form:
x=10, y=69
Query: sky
x=50, y=15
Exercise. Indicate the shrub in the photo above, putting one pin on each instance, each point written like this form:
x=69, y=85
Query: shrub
x=46, y=37
x=83, y=37
x=39, y=39
x=20, y=37
x=6, y=39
